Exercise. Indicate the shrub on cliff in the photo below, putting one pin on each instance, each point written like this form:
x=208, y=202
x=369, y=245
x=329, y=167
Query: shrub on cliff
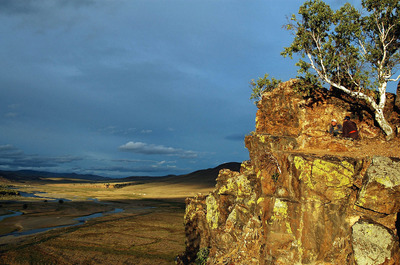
x=202, y=256
x=262, y=85
x=351, y=52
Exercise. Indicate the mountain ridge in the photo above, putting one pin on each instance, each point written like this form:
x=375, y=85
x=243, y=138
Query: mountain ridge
x=208, y=175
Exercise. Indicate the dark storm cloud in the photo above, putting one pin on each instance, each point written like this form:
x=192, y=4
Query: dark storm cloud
x=81, y=77
x=13, y=158
x=17, y=7
x=9, y=151
x=87, y=76
x=32, y=6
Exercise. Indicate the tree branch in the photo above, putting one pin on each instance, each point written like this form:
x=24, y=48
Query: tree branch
x=364, y=51
x=356, y=94
x=394, y=80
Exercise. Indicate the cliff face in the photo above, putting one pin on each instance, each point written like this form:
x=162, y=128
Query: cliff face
x=304, y=197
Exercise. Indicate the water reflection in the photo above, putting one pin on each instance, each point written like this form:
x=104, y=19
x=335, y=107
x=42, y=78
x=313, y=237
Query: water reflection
x=81, y=220
x=49, y=199
x=14, y=213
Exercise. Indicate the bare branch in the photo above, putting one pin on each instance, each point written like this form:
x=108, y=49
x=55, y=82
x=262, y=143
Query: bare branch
x=364, y=51
x=354, y=81
x=394, y=80
x=318, y=44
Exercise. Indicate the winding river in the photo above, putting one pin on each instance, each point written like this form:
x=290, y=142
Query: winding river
x=14, y=213
x=80, y=220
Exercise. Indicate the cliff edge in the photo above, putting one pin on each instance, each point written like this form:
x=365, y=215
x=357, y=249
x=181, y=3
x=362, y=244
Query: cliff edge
x=304, y=197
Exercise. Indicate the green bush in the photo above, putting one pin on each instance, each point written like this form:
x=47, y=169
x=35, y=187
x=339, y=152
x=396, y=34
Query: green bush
x=4, y=190
x=262, y=85
x=275, y=177
x=202, y=256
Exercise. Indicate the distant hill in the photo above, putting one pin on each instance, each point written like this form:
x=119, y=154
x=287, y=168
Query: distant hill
x=204, y=177
x=182, y=186
x=32, y=175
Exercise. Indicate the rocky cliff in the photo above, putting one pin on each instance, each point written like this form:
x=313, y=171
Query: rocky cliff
x=304, y=197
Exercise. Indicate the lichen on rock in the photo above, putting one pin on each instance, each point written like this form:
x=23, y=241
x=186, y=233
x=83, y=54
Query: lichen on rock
x=372, y=243
x=303, y=197
x=212, y=212
x=385, y=171
x=382, y=185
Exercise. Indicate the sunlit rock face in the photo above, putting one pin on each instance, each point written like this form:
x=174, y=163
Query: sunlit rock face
x=397, y=100
x=302, y=198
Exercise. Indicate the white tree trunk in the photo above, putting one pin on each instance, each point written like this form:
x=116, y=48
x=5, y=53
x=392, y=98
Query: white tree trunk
x=385, y=126
x=377, y=108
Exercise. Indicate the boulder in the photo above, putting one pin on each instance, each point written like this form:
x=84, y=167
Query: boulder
x=382, y=184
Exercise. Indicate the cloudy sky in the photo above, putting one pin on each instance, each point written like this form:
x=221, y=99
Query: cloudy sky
x=134, y=87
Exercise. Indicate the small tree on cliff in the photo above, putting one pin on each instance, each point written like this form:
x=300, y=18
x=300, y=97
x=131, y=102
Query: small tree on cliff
x=354, y=53
x=262, y=85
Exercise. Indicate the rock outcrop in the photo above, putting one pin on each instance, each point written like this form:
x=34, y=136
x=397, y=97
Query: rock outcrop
x=397, y=102
x=304, y=197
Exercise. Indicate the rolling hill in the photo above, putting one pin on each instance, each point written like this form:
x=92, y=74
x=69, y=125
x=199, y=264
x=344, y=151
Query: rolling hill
x=205, y=177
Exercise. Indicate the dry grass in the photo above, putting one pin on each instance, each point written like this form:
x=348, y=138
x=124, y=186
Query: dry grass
x=149, y=231
x=145, y=237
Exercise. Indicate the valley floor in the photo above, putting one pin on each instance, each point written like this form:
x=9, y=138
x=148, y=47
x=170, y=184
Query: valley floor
x=148, y=230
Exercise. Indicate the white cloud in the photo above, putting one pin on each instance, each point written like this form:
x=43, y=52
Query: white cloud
x=152, y=149
x=146, y=131
x=11, y=114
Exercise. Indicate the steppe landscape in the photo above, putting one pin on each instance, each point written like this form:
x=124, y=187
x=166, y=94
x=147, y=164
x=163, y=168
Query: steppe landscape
x=137, y=89
x=137, y=220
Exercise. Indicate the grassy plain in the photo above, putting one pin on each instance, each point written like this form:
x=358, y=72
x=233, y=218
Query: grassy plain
x=149, y=230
